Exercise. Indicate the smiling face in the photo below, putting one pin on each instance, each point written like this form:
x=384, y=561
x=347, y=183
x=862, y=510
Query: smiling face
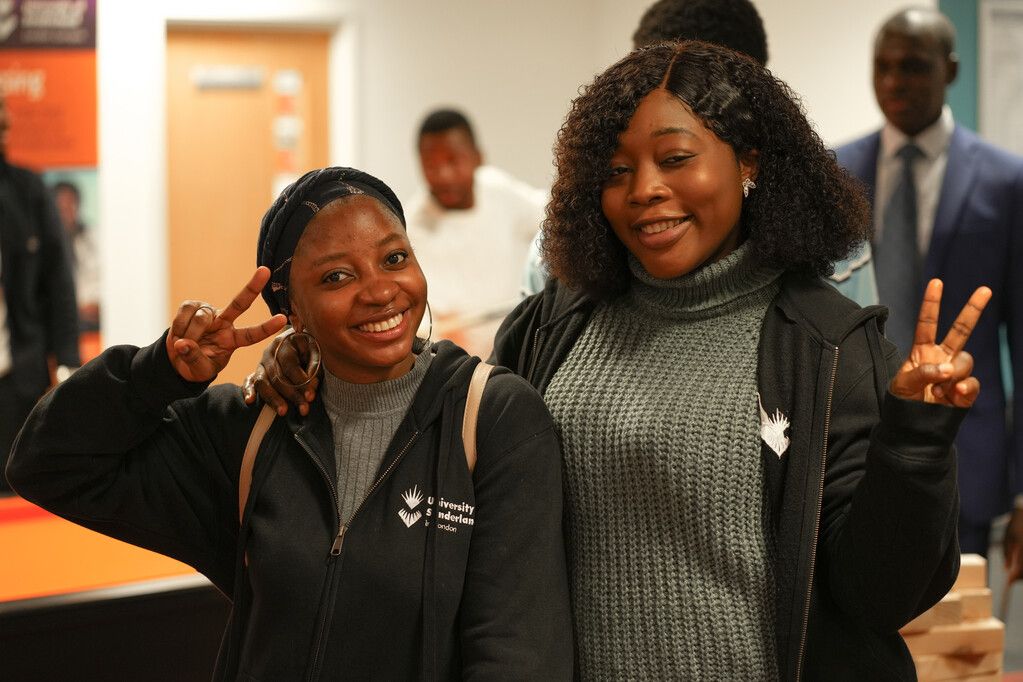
x=357, y=288
x=674, y=193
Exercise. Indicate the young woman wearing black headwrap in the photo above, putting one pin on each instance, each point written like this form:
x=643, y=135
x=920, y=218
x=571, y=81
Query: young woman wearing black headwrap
x=367, y=548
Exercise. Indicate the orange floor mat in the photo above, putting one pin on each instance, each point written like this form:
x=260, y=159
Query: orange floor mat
x=44, y=555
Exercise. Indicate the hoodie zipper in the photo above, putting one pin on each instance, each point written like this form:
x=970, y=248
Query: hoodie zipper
x=817, y=518
x=534, y=355
x=339, y=539
x=338, y=543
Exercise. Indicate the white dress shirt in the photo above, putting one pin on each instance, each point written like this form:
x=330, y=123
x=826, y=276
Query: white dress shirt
x=473, y=258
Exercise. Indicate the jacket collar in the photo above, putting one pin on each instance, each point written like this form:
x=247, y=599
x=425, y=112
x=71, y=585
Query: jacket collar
x=811, y=303
x=559, y=301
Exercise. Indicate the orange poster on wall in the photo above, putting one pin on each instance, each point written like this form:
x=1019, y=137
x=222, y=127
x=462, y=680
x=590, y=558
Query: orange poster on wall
x=51, y=97
x=48, y=82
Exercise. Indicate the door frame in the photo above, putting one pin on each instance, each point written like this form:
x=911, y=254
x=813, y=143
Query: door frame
x=131, y=64
x=342, y=74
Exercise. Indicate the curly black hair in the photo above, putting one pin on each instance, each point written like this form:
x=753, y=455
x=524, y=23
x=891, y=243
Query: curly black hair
x=736, y=24
x=805, y=213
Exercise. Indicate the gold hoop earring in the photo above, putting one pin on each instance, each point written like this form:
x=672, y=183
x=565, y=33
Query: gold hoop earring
x=312, y=365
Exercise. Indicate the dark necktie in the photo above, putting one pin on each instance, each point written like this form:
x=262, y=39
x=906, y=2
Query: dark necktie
x=897, y=256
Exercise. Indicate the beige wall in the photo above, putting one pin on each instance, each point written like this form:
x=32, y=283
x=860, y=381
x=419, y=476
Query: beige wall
x=513, y=65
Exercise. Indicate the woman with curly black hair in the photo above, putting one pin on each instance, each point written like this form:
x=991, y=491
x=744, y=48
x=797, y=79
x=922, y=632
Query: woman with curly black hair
x=756, y=487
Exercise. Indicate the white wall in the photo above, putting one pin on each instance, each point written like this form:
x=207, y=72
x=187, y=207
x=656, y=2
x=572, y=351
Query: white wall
x=514, y=66
x=824, y=51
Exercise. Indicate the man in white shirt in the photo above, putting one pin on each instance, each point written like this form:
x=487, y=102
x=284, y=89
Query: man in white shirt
x=948, y=205
x=472, y=228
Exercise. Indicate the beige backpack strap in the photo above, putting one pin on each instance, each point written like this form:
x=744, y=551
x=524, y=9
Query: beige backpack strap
x=472, y=411
x=263, y=421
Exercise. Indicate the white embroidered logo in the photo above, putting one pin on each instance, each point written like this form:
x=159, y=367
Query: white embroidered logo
x=413, y=498
x=773, y=428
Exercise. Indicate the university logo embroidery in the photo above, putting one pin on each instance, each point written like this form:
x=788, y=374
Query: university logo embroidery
x=773, y=428
x=413, y=498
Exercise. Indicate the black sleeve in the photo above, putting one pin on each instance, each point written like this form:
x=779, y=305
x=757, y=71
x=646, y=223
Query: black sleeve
x=129, y=449
x=57, y=285
x=515, y=619
x=891, y=498
x=510, y=342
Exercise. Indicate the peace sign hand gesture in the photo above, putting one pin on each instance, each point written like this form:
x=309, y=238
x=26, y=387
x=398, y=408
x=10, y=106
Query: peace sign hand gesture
x=941, y=373
x=201, y=339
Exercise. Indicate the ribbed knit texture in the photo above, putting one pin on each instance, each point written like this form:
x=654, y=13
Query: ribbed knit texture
x=657, y=409
x=364, y=418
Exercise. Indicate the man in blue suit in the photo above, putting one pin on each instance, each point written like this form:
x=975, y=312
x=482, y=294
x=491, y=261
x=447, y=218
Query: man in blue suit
x=949, y=205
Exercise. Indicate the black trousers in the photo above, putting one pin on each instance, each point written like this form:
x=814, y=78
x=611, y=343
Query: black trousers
x=14, y=409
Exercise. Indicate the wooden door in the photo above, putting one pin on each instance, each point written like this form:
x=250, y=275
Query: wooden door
x=246, y=112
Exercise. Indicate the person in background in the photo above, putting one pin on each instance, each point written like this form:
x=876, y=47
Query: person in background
x=737, y=25
x=85, y=260
x=365, y=547
x=472, y=227
x=947, y=204
x=38, y=315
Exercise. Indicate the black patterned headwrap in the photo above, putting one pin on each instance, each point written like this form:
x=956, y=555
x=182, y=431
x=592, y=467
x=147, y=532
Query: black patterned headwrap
x=286, y=220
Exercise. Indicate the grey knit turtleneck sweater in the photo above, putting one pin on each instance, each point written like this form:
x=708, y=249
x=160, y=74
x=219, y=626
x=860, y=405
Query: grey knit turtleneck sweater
x=669, y=555
x=364, y=418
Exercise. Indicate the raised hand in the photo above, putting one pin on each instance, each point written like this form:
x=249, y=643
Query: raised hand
x=201, y=339
x=941, y=373
x=285, y=375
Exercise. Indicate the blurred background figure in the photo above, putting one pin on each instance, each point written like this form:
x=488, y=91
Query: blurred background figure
x=946, y=204
x=38, y=317
x=471, y=228
x=84, y=258
x=737, y=25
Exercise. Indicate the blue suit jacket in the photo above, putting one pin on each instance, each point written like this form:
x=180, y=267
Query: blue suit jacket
x=977, y=240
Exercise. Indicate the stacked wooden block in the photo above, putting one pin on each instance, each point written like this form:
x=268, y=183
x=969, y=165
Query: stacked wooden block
x=958, y=638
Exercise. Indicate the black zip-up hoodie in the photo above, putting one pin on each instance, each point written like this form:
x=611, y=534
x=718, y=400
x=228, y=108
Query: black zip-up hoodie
x=864, y=501
x=441, y=574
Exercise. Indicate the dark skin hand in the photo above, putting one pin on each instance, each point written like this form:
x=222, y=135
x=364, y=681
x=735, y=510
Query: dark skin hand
x=941, y=372
x=289, y=379
x=201, y=338
x=1012, y=546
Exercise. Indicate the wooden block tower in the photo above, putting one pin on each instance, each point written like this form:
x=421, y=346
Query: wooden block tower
x=958, y=638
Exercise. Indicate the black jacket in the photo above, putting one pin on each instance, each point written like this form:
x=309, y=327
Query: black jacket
x=864, y=500
x=468, y=581
x=38, y=283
